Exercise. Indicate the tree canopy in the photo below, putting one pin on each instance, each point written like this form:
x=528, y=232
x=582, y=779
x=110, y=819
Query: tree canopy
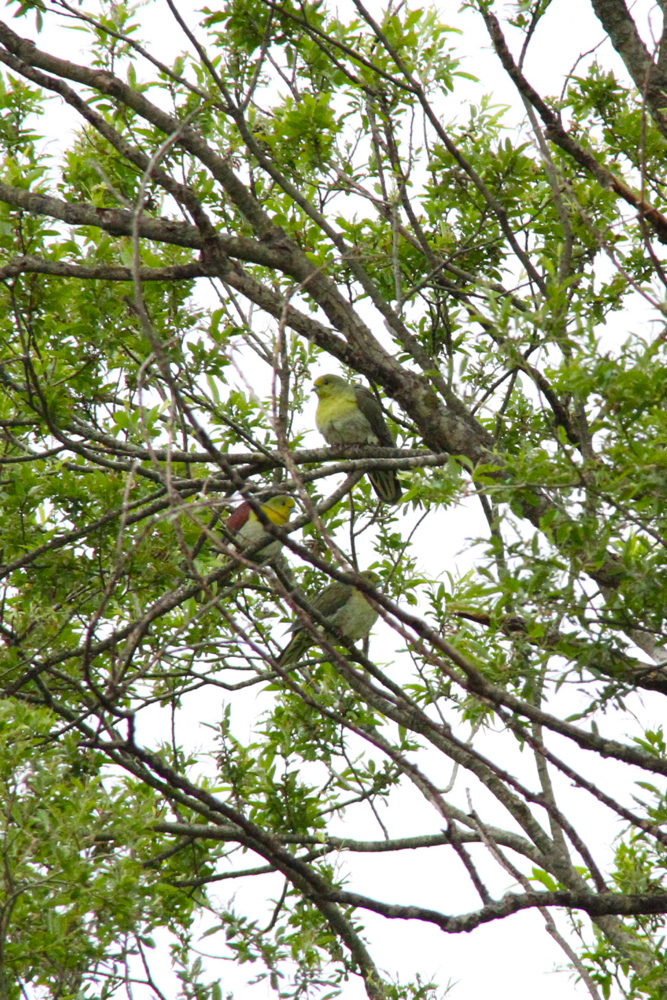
x=307, y=190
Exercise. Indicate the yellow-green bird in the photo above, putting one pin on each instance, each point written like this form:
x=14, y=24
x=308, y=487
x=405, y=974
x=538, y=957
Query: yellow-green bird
x=247, y=530
x=350, y=414
x=342, y=605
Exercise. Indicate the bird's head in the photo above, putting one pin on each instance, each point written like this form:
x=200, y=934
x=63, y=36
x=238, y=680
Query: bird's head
x=370, y=576
x=278, y=509
x=329, y=385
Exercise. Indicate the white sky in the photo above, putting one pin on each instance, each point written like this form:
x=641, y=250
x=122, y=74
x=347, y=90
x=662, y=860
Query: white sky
x=513, y=958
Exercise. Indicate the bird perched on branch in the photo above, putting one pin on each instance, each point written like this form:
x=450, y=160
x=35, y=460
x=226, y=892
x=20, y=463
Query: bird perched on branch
x=247, y=530
x=350, y=414
x=343, y=606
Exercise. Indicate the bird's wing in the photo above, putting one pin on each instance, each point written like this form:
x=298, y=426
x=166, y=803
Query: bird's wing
x=332, y=599
x=372, y=410
x=238, y=518
x=327, y=602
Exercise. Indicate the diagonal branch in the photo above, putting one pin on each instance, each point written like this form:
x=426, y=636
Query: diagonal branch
x=557, y=133
x=650, y=79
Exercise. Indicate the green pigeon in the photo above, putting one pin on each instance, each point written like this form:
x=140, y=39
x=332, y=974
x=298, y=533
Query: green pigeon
x=350, y=414
x=343, y=606
x=247, y=530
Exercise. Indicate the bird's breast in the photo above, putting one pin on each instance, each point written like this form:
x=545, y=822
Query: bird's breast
x=340, y=421
x=356, y=618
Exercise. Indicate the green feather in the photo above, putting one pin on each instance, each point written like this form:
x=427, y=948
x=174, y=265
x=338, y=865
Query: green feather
x=350, y=414
x=343, y=606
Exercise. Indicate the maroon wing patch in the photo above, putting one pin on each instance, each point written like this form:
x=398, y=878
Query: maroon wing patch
x=238, y=518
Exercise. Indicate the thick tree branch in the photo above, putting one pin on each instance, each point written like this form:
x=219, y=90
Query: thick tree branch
x=101, y=272
x=650, y=79
x=594, y=905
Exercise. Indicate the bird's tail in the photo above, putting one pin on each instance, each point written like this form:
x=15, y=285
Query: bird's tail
x=299, y=644
x=386, y=485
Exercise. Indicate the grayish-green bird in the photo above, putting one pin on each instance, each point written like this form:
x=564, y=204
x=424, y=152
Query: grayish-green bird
x=343, y=606
x=350, y=414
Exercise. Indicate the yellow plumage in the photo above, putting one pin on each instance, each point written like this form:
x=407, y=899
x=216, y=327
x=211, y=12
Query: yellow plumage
x=350, y=414
x=247, y=530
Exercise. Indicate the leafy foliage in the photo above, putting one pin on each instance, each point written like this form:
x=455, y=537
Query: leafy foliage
x=289, y=197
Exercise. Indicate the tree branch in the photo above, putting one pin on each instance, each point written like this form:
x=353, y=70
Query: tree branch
x=558, y=135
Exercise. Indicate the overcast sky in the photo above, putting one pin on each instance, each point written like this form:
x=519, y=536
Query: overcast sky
x=513, y=958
